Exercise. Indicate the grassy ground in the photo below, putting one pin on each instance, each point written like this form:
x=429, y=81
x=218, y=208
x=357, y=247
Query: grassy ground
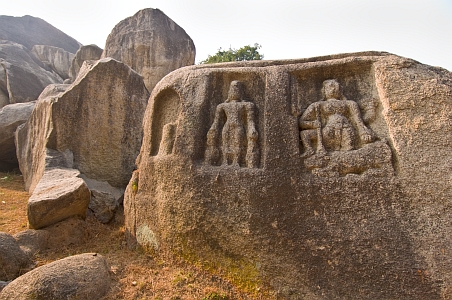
x=136, y=275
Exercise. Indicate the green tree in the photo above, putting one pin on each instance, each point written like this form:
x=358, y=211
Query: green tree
x=245, y=53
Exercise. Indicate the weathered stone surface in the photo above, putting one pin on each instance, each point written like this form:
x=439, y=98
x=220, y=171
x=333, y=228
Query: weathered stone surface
x=22, y=79
x=105, y=199
x=70, y=232
x=321, y=178
x=53, y=90
x=32, y=241
x=56, y=59
x=150, y=43
x=59, y=195
x=98, y=120
x=84, y=276
x=11, y=116
x=13, y=261
x=88, y=52
x=67, y=233
x=30, y=31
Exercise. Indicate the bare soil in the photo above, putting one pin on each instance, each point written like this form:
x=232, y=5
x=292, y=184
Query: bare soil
x=135, y=273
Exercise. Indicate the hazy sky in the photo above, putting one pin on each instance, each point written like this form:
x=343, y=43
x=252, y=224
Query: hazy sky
x=418, y=29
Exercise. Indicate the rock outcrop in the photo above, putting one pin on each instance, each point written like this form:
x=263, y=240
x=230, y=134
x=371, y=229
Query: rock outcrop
x=56, y=59
x=30, y=31
x=11, y=116
x=94, y=126
x=22, y=78
x=150, y=43
x=88, y=52
x=13, y=261
x=321, y=178
x=84, y=276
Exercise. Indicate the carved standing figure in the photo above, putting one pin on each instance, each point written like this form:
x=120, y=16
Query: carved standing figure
x=334, y=124
x=234, y=120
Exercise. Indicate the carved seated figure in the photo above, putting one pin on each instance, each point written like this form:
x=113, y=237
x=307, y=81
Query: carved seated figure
x=334, y=124
x=234, y=119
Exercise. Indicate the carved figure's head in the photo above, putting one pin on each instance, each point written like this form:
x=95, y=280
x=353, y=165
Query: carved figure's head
x=331, y=89
x=235, y=91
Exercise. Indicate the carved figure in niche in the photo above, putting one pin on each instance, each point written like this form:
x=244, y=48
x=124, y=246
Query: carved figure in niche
x=334, y=123
x=232, y=138
x=168, y=136
x=336, y=140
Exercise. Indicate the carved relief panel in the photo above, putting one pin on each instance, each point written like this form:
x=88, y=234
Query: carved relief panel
x=338, y=135
x=233, y=137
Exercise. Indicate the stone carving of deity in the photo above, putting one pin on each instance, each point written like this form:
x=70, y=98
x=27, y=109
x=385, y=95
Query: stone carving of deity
x=333, y=124
x=232, y=138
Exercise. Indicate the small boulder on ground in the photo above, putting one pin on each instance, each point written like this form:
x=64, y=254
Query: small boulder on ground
x=32, y=241
x=84, y=276
x=13, y=261
x=105, y=199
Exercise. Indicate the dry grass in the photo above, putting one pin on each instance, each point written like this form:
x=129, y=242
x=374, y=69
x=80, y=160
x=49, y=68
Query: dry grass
x=135, y=274
x=13, y=203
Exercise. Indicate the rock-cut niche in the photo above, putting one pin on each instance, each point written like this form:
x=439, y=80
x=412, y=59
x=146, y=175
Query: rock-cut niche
x=164, y=125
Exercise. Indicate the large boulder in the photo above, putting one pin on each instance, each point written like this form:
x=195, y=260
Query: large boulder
x=88, y=52
x=321, y=178
x=22, y=78
x=11, y=116
x=84, y=276
x=56, y=59
x=30, y=31
x=13, y=261
x=150, y=43
x=94, y=126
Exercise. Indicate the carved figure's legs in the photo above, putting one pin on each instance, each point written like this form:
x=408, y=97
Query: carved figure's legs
x=339, y=134
x=233, y=140
x=307, y=137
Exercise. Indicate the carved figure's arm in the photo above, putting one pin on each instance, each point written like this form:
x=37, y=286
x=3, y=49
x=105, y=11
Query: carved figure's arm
x=365, y=133
x=308, y=119
x=251, y=131
x=214, y=129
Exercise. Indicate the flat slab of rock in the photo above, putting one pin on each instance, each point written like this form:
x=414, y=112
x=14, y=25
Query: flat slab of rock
x=84, y=276
x=13, y=260
x=60, y=194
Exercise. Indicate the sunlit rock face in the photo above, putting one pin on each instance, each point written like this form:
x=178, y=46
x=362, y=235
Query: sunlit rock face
x=321, y=178
x=150, y=43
